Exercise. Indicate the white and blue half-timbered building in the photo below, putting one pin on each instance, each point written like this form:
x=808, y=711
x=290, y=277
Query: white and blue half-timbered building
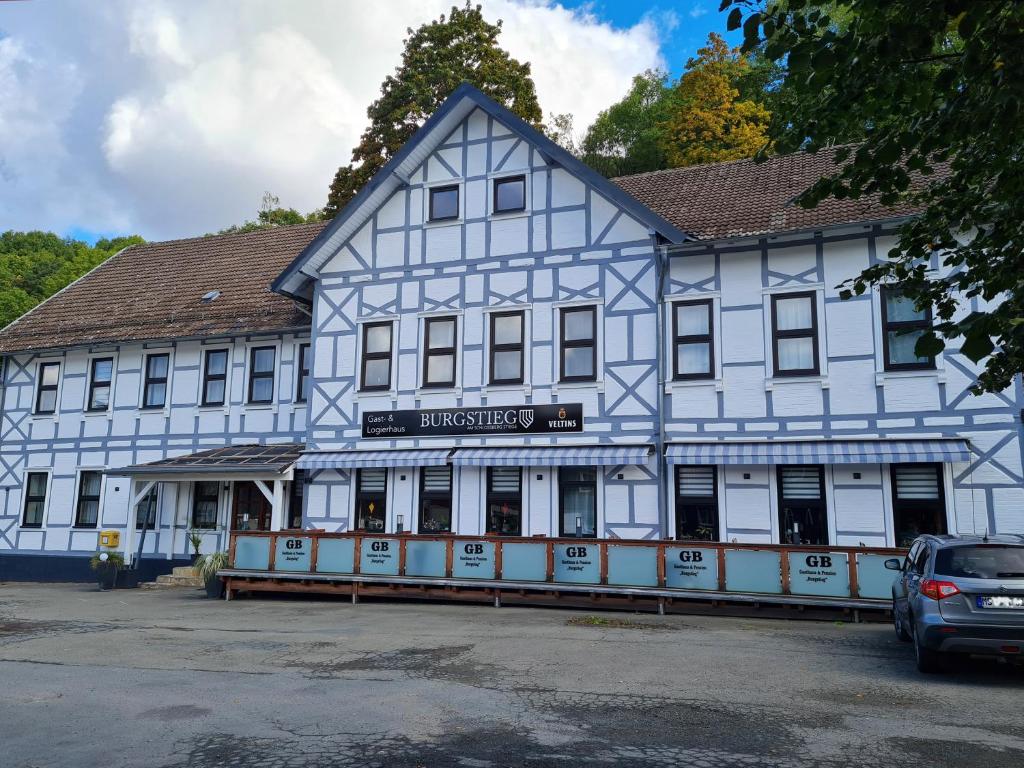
x=492, y=338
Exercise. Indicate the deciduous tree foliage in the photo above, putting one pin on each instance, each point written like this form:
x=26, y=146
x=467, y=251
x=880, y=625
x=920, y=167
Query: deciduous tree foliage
x=935, y=88
x=35, y=265
x=438, y=57
x=710, y=121
x=271, y=214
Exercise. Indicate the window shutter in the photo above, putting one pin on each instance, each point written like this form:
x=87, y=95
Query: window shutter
x=696, y=482
x=917, y=482
x=437, y=479
x=801, y=483
x=373, y=480
x=505, y=479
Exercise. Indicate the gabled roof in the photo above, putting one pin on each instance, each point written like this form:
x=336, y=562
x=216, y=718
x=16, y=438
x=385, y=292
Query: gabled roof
x=155, y=291
x=745, y=198
x=430, y=135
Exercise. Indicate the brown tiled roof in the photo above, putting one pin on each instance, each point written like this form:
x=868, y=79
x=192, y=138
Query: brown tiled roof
x=742, y=197
x=154, y=291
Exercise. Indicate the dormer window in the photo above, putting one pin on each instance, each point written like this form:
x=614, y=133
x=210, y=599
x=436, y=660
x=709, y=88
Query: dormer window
x=510, y=194
x=444, y=203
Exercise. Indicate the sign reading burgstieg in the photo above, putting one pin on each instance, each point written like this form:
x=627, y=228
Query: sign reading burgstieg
x=488, y=420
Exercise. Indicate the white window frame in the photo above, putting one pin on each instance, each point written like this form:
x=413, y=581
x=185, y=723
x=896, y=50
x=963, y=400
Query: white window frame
x=507, y=173
x=716, y=379
x=392, y=389
x=770, y=379
x=276, y=397
x=99, y=503
x=48, y=471
x=556, y=345
x=37, y=381
x=527, y=386
x=109, y=412
x=146, y=352
x=459, y=182
x=229, y=347
x=421, y=350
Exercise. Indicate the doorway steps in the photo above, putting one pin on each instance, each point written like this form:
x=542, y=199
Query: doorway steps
x=182, y=576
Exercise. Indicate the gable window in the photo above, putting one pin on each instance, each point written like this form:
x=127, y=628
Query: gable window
x=371, y=499
x=145, y=511
x=579, y=344
x=693, y=348
x=696, y=503
x=206, y=494
x=444, y=203
x=87, y=511
x=902, y=325
x=100, y=373
x=302, y=384
x=46, y=390
x=507, y=347
x=35, y=500
x=918, y=501
x=261, y=374
x=215, y=375
x=505, y=500
x=376, y=356
x=435, y=499
x=510, y=194
x=154, y=389
x=439, y=356
x=795, y=334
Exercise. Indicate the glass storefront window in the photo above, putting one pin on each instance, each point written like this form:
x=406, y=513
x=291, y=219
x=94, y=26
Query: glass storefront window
x=371, y=499
x=435, y=500
x=577, y=495
x=505, y=500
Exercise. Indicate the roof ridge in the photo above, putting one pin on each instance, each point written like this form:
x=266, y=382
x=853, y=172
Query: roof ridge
x=220, y=236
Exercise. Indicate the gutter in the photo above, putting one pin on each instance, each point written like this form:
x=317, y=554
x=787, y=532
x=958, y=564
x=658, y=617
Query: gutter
x=661, y=270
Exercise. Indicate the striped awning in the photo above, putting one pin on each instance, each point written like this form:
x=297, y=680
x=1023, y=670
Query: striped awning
x=819, y=452
x=543, y=456
x=434, y=457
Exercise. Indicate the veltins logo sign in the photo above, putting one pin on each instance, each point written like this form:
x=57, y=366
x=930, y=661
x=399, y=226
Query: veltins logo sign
x=491, y=420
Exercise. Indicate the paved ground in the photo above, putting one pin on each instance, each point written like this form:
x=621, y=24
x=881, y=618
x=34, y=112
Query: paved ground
x=132, y=678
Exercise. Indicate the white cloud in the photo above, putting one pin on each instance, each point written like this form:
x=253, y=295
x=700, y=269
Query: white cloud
x=172, y=119
x=697, y=11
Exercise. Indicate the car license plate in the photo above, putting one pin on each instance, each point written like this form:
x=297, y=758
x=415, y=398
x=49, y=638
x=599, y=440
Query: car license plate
x=1001, y=601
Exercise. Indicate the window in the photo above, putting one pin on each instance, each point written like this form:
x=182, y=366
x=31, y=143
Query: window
x=696, y=503
x=261, y=374
x=902, y=326
x=87, y=511
x=444, y=203
x=507, y=347
x=206, y=495
x=371, y=499
x=154, y=389
x=577, y=501
x=982, y=561
x=145, y=511
x=35, y=500
x=302, y=384
x=510, y=194
x=795, y=334
x=505, y=500
x=918, y=501
x=376, y=356
x=803, y=516
x=295, y=495
x=693, y=349
x=101, y=370
x=439, y=359
x=579, y=344
x=215, y=375
x=435, y=499
x=46, y=392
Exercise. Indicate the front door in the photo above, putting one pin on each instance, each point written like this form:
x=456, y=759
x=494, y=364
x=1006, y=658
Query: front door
x=803, y=517
x=251, y=510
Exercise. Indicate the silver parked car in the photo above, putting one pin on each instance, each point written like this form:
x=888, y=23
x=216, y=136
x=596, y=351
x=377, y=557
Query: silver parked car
x=960, y=594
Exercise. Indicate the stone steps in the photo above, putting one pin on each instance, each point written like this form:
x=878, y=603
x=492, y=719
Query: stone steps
x=182, y=576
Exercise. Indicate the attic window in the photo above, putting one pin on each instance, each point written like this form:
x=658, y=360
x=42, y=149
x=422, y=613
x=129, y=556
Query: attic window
x=209, y=296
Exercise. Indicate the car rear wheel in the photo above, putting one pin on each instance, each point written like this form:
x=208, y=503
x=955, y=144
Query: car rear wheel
x=897, y=622
x=928, y=661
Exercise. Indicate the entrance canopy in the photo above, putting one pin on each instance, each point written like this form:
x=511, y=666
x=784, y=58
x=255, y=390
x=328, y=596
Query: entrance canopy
x=233, y=460
x=820, y=452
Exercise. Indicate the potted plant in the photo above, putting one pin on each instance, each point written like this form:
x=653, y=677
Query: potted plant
x=196, y=540
x=206, y=567
x=106, y=565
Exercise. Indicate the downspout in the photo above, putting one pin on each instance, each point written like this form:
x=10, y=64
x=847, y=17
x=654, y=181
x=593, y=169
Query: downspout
x=661, y=270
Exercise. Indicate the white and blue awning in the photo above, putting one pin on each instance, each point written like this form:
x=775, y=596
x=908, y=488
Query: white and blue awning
x=554, y=456
x=820, y=452
x=433, y=457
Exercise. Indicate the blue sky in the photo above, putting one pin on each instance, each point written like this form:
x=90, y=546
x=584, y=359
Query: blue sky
x=171, y=119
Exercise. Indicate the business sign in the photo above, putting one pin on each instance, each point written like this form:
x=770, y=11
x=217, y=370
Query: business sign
x=379, y=557
x=578, y=563
x=819, y=573
x=691, y=568
x=292, y=553
x=485, y=420
x=472, y=559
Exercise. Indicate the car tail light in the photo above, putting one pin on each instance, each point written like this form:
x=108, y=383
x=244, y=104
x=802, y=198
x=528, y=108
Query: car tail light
x=937, y=590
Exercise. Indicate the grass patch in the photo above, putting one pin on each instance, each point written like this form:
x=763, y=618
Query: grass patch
x=607, y=623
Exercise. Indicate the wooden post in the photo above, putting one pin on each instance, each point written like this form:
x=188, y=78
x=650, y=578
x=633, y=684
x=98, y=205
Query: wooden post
x=273, y=552
x=784, y=563
x=721, y=568
x=449, y=556
x=550, y=575
x=603, y=565
x=314, y=553
x=662, y=566
x=852, y=564
x=401, y=556
x=231, y=551
x=357, y=548
x=497, y=559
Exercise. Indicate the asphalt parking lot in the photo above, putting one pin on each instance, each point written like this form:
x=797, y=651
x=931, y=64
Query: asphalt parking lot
x=130, y=678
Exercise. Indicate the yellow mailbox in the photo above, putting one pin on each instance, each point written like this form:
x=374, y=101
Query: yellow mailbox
x=110, y=538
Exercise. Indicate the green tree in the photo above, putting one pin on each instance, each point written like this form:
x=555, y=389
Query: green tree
x=936, y=90
x=438, y=57
x=710, y=121
x=271, y=215
x=35, y=265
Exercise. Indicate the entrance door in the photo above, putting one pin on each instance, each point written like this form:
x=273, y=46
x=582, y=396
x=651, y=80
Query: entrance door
x=251, y=510
x=918, y=501
x=803, y=516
